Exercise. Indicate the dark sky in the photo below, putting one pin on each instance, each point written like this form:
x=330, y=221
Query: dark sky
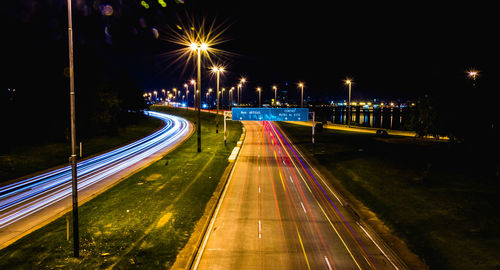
x=391, y=50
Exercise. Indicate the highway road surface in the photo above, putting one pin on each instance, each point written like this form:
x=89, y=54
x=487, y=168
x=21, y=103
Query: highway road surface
x=29, y=203
x=277, y=212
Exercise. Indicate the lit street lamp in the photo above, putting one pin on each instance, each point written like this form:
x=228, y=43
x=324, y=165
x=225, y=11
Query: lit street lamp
x=217, y=71
x=240, y=85
x=301, y=85
x=193, y=82
x=275, y=95
x=231, y=97
x=199, y=48
x=349, y=82
x=473, y=74
x=187, y=94
x=259, y=90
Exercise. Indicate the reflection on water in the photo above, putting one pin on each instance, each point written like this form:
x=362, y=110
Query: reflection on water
x=389, y=118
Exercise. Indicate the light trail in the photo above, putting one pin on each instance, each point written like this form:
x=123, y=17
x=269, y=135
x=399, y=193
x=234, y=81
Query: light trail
x=26, y=197
x=277, y=192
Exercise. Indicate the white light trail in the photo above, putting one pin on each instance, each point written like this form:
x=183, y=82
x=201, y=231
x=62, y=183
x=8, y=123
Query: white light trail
x=28, y=196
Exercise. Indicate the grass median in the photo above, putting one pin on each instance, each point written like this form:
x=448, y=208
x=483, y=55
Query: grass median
x=437, y=196
x=145, y=220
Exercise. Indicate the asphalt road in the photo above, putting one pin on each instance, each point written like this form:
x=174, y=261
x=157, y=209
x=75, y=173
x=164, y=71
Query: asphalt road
x=277, y=212
x=30, y=203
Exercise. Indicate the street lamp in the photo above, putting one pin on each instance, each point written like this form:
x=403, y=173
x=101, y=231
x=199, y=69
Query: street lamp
x=301, y=85
x=74, y=188
x=240, y=85
x=199, y=48
x=208, y=95
x=349, y=82
x=193, y=82
x=222, y=97
x=275, y=95
x=231, y=97
x=473, y=74
x=217, y=71
x=187, y=94
x=259, y=90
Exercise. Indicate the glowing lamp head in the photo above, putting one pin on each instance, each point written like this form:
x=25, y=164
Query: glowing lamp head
x=348, y=81
x=193, y=46
x=204, y=46
x=243, y=80
x=193, y=82
x=274, y=87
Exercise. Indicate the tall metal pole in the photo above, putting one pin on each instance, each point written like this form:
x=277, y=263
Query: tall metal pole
x=302, y=96
x=275, y=95
x=349, y=107
x=199, y=99
x=238, y=94
x=194, y=96
x=217, y=115
x=76, y=244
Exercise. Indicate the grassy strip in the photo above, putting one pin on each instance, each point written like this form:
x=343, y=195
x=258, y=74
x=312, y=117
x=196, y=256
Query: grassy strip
x=434, y=195
x=26, y=159
x=142, y=222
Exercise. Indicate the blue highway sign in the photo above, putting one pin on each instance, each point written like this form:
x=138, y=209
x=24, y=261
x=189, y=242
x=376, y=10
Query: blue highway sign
x=270, y=114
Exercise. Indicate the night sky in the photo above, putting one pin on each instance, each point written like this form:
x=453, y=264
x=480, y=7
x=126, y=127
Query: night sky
x=390, y=50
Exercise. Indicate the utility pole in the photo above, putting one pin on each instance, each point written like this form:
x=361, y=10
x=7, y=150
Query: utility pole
x=76, y=242
x=199, y=100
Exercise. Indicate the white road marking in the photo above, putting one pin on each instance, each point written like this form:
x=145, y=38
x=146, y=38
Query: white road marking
x=328, y=263
x=369, y=236
x=291, y=179
x=260, y=229
x=303, y=208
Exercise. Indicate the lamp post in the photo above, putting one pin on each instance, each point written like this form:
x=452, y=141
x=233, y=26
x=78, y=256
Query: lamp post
x=222, y=97
x=473, y=74
x=217, y=71
x=199, y=48
x=242, y=81
x=301, y=85
x=193, y=82
x=349, y=83
x=187, y=94
x=231, y=97
x=258, y=90
x=74, y=187
x=275, y=95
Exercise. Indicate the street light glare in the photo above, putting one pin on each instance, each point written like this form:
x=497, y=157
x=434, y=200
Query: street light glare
x=204, y=46
x=193, y=46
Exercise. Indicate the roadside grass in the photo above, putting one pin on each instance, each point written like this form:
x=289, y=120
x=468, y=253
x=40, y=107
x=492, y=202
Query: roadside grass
x=142, y=222
x=434, y=195
x=26, y=159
